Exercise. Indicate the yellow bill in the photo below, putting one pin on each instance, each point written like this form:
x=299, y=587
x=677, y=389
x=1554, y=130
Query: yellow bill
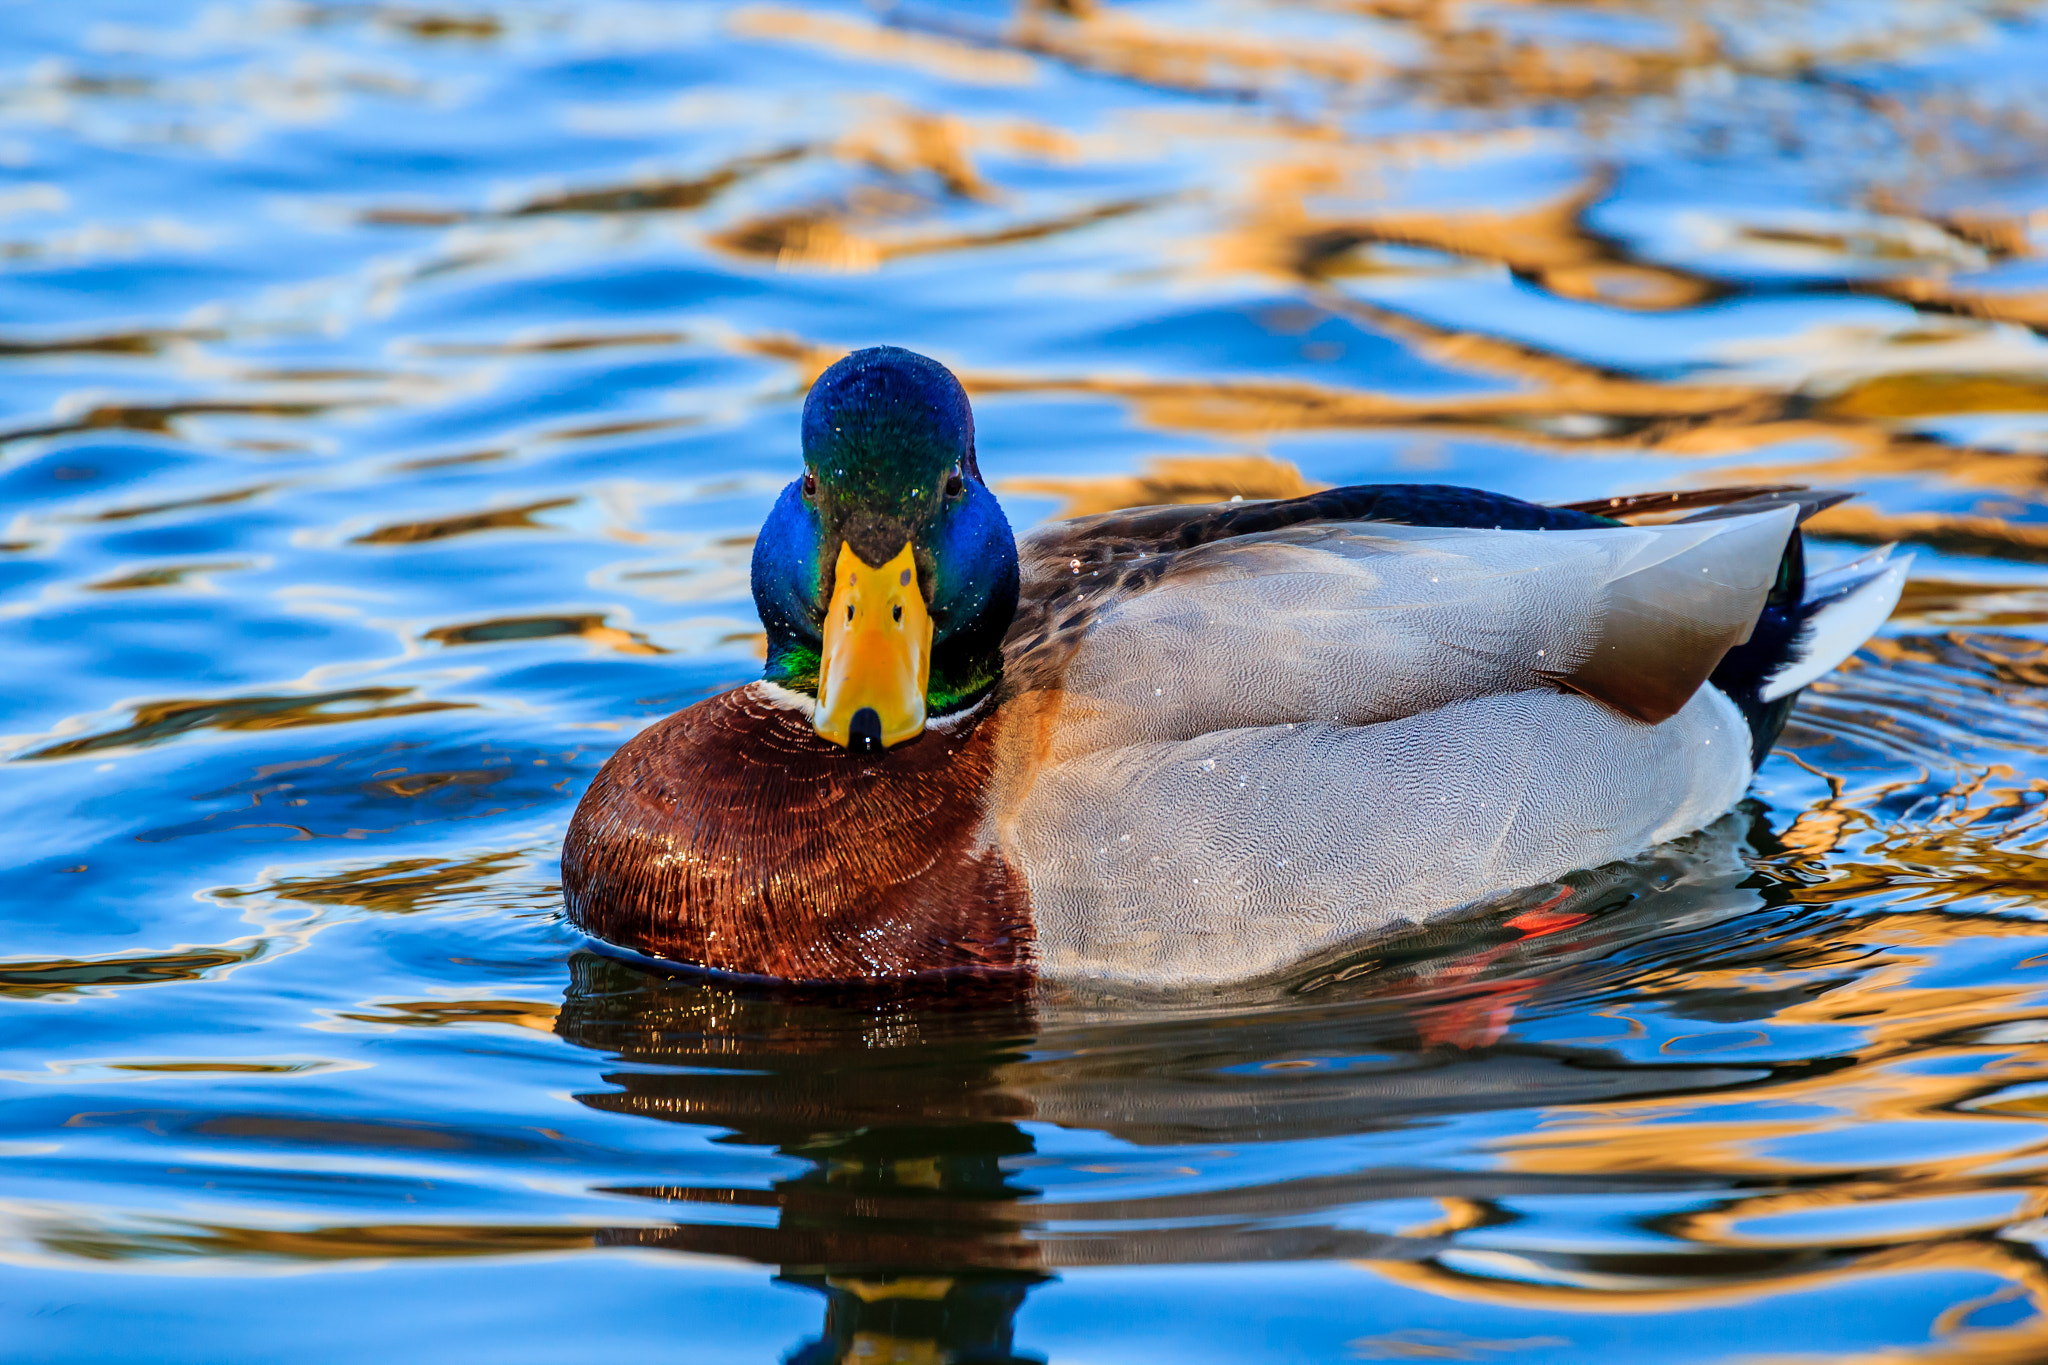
x=877, y=656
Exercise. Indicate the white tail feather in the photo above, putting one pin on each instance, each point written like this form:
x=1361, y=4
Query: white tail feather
x=1848, y=574
x=1839, y=628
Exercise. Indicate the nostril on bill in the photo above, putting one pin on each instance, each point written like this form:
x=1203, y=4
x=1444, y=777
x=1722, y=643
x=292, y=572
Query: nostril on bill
x=864, y=734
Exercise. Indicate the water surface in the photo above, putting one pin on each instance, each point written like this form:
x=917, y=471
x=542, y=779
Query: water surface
x=388, y=398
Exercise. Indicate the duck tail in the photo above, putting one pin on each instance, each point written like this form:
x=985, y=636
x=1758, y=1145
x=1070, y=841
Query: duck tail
x=1841, y=609
x=1809, y=625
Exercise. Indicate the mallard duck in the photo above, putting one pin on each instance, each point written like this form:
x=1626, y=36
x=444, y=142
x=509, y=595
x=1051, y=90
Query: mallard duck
x=1185, y=745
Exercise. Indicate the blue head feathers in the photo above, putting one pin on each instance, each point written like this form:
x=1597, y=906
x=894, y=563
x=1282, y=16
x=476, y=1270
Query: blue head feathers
x=888, y=443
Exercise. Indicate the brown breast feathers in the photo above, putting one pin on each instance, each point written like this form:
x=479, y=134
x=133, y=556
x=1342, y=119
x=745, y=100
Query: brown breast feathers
x=730, y=836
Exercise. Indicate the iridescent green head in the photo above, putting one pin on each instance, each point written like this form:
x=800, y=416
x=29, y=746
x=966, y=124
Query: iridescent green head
x=886, y=575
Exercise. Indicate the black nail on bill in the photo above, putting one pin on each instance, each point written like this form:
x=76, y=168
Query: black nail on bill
x=864, y=733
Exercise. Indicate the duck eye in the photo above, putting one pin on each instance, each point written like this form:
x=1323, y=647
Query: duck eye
x=810, y=484
x=953, y=484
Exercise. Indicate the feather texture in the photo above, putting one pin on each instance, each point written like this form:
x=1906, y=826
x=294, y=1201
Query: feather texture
x=1265, y=745
x=1236, y=853
x=1357, y=622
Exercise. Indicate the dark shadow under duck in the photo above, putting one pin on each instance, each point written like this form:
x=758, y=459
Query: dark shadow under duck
x=1188, y=745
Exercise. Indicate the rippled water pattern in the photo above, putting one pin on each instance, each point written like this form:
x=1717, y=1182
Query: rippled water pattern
x=389, y=395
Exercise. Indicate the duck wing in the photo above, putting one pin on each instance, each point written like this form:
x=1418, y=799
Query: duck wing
x=1352, y=621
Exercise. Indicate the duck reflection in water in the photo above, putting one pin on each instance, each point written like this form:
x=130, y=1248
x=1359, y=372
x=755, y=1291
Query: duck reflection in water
x=905, y=1217
x=917, y=1215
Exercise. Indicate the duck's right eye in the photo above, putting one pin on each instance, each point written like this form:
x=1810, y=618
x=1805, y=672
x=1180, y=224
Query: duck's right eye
x=810, y=484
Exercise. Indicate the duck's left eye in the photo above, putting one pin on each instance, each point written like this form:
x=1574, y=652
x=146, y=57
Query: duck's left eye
x=810, y=484
x=953, y=484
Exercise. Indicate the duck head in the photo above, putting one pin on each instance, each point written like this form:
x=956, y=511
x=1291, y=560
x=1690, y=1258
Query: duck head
x=886, y=576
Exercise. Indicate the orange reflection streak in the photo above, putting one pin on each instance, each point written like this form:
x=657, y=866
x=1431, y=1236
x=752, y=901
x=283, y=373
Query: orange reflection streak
x=469, y=523
x=33, y=978
x=1186, y=479
x=865, y=41
x=1122, y=44
x=1956, y=534
x=319, y=1244
x=155, y=722
x=1986, y=1258
x=588, y=627
x=824, y=236
x=529, y=1014
x=1548, y=241
x=398, y=887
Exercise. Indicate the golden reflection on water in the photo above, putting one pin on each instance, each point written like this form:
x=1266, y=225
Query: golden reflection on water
x=469, y=523
x=395, y=888
x=30, y=978
x=155, y=722
x=591, y=628
x=1185, y=479
x=1281, y=222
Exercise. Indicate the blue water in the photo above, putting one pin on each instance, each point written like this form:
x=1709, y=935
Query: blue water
x=388, y=397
